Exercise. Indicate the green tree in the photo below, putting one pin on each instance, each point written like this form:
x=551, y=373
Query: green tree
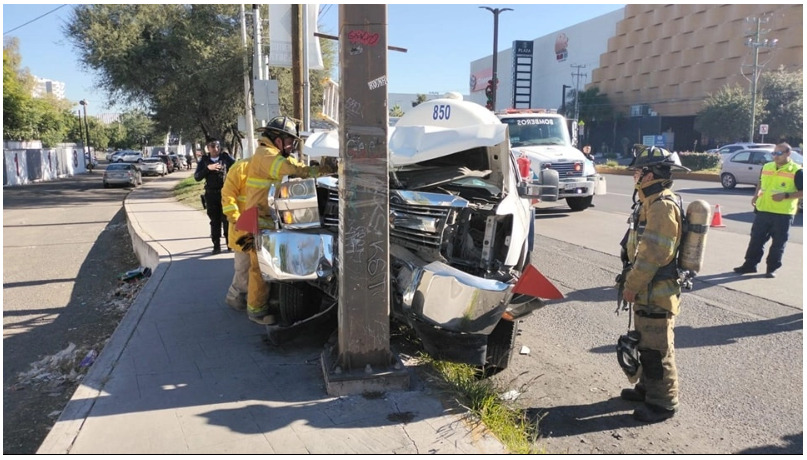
x=726, y=115
x=18, y=114
x=594, y=106
x=140, y=129
x=421, y=98
x=396, y=111
x=784, y=93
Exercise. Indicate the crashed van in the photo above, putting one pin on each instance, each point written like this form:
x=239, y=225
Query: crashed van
x=460, y=235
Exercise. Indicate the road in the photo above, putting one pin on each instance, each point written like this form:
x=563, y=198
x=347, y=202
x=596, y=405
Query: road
x=65, y=243
x=739, y=340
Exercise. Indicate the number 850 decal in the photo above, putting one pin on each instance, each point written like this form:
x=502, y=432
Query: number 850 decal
x=441, y=112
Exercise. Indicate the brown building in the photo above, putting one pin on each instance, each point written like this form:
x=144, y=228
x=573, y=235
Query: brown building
x=665, y=60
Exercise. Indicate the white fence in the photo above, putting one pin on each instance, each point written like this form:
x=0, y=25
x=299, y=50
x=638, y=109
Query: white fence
x=23, y=164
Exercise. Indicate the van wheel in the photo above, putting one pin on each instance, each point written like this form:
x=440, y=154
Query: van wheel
x=579, y=203
x=501, y=347
x=298, y=301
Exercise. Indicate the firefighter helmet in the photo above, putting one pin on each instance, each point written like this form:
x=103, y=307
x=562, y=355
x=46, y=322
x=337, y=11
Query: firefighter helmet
x=652, y=157
x=627, y=353
x=281, y=126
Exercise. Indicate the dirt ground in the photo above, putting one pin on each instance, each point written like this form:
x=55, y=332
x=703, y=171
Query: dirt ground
x=34, y=402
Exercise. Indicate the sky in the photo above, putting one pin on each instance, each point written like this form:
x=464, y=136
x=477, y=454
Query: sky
x=441, y=42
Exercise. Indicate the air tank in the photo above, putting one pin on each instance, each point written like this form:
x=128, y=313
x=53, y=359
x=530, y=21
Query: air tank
x=693, y=245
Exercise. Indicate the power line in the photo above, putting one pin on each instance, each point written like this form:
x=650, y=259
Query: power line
x=32, y=20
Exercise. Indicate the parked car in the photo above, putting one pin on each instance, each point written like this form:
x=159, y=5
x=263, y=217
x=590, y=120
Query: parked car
x=153, y=167
x=169, y=165
x=727, y=150
x=115, y=156
x=744, y=166
x=130, y=156
x=122, y=174
x=175, y=159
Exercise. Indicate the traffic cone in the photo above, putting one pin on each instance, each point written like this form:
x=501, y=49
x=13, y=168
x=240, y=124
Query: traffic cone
x=717, y=220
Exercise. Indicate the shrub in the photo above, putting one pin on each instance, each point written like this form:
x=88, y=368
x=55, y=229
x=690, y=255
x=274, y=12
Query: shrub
x=699, y=161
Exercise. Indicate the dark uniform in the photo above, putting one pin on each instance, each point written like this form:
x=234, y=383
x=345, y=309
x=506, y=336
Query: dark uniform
x=214, y=181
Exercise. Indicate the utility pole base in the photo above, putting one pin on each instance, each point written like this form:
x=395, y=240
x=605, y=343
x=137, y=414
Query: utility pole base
x=339, y=382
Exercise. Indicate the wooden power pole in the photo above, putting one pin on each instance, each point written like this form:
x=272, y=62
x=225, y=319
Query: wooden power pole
x=361, y=361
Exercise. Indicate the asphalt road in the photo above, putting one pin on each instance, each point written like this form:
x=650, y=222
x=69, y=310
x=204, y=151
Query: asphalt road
x=65, y=243
x=739, y=340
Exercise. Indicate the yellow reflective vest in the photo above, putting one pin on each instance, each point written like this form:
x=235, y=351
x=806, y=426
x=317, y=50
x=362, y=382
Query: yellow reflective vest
x=652, y=247
x=775, y=180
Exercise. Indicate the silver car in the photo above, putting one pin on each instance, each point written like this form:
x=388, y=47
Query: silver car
x=122, y=174
x=745, y=166
x=153, y=167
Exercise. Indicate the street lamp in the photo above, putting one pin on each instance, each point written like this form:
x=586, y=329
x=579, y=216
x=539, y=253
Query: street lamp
x=84, y=104
x=756, y=43
x=495, y=80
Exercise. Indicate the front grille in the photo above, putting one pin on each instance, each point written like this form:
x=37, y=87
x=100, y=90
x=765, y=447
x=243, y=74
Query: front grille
x=566, y=170
x=409, y=217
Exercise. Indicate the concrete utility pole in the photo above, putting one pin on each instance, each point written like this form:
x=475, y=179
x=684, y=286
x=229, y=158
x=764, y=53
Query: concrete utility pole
x=84, y=104
x=297, y=56
x=361, y=361
x=247, y=90
x=753, y=40
x=495, y=12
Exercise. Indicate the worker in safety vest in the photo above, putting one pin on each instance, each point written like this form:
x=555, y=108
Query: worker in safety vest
x=776, y=201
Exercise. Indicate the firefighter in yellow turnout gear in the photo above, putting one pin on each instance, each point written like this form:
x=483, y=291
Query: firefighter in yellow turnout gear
x=652, y=284
x=233, y=203
x=271, y=161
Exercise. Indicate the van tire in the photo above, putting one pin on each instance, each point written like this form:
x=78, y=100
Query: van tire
x=579, y=203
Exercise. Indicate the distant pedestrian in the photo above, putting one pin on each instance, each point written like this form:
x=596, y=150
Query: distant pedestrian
x=212, y=168
x=776, y=201
x=189, y=159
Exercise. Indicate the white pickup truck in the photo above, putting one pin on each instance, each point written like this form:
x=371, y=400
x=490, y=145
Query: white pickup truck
x=460, y=234
x=543, y=137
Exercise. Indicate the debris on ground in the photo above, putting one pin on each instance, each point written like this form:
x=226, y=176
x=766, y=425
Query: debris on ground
x=137, y=273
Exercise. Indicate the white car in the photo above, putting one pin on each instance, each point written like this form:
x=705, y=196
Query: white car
x=153, y=167
x=727, y=150
x=744, y=166
x=130, y=156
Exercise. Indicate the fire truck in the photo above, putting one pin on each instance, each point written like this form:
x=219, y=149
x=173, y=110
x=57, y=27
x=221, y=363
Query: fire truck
x=542, y=136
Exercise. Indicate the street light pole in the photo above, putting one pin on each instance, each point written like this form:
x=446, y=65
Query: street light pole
x=84, y=104
x=755, y=43
x=495, y=12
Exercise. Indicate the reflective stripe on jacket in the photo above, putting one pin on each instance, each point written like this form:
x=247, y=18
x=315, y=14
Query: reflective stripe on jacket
x=775, y=180
x=234, y=200
x=655, y=247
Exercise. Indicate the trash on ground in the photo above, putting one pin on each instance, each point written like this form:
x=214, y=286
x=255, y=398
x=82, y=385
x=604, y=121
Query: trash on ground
x=525, y=350
x=137, y=273
x=89, y=359
x=511, y=395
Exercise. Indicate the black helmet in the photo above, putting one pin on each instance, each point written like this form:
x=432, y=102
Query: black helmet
x=281, y=125
x=655, y=158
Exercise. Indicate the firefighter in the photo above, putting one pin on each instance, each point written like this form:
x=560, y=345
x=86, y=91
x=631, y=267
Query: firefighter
x=233, y=202
x=652, y=283
x=271, y=161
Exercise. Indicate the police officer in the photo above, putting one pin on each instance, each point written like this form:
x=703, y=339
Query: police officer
x=271, y=161
x=212, y=168
x=776, y=201
x=652, y=283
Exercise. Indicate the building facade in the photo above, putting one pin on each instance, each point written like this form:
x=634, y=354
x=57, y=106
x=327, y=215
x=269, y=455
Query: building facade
x=657, y=64
x=45, y=86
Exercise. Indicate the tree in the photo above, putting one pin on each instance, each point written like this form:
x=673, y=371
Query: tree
x=421, y=98
x=18, y=116
x=139, y=128
x=593, y=106
x=727, y=114
x=396, y=111
x=784, y=93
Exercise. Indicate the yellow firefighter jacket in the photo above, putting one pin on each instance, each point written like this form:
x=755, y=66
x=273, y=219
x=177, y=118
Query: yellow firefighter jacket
x=652, y=247
x=266, y=168
x=234, y=200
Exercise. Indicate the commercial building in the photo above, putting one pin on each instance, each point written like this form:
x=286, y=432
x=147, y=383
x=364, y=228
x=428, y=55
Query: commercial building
x=45, y=86
x=657, y=64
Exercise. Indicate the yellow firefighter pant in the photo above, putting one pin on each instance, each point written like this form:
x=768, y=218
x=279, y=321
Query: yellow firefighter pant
x=239, y=286
x=257, y=289
x=657, y=355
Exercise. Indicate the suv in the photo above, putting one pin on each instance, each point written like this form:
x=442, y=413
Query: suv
x=543, y=138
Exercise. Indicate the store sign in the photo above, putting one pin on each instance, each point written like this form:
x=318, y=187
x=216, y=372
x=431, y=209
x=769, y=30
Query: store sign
x=561, y=47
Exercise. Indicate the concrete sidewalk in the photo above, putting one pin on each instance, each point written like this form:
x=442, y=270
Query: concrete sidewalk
x=184, y=373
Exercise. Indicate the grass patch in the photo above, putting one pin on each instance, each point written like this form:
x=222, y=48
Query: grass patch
x=187, y=192
x=510, y=425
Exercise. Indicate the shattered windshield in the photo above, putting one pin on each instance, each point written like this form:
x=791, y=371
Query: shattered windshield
x=525, y=132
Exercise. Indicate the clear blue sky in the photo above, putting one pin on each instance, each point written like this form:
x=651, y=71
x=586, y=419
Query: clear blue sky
x=441, y=41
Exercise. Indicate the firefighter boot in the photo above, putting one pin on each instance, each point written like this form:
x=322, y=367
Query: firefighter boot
x=636, y=393
x=650, y=413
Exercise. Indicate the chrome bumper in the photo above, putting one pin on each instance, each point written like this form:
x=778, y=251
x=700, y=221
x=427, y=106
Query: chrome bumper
x=295, y=255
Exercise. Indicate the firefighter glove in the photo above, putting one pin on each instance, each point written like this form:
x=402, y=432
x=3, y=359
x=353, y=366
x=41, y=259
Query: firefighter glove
x=247, y=242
